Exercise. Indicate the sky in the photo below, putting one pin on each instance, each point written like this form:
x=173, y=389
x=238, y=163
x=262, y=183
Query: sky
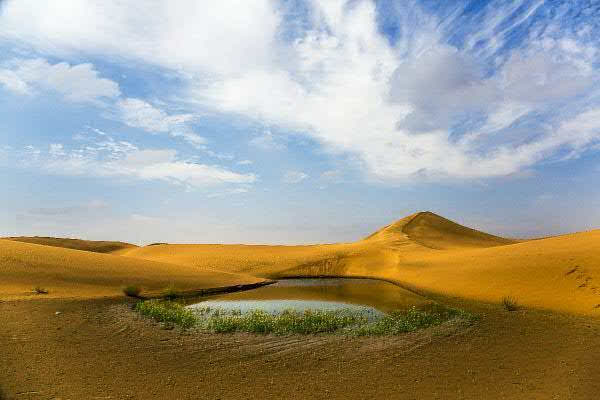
x=295, y=121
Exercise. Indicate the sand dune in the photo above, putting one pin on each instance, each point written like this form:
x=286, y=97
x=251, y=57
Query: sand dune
x=431, y=230
x=74, y=273
x=96, y=246
x=423, y=251
x=429, y=253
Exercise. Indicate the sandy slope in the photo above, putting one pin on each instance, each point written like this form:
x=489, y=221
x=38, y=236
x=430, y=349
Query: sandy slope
x=430, y=253
x=423, y=251
x=96, y=246
x=75, y=273
x=100, y=349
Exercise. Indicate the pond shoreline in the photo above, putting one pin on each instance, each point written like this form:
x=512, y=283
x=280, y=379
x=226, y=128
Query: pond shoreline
x=210, y=291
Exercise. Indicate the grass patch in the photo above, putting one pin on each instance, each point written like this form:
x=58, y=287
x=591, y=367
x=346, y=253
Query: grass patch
x=510, y=303
x=287, y=322
x=40, y=290
x=132, y=291
x=345, y=321
x=413, y=319
x=168, y=312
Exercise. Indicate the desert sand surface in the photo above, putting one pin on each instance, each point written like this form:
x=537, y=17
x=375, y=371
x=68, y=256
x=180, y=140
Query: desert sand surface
x=68, y=273
x=100, y=349
x=427, y=253
x=96, y=246
x=97, y=347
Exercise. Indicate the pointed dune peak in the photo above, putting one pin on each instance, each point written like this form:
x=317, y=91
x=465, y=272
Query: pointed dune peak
x=431, y=230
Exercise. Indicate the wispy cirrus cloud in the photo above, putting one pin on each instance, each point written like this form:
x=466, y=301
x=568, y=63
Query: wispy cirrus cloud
x=444, y=94
x=141, y=114
x=267, y=141
x=109, y=158
x=294, y=177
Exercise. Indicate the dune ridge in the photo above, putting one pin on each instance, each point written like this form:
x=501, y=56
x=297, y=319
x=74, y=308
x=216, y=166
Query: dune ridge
x=96, y=246
x=85, y=274
x=423, y=251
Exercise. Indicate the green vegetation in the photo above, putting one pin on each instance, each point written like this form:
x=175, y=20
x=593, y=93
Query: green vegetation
x=344, y=321
x=411, y=320
x=287, y=322
x=168, y=312
x=132, y=291
x=40, y=290
x=170, y=293
x=510, y=303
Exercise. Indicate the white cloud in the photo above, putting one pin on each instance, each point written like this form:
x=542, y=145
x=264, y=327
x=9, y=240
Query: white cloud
x=76, y=83
x=244, y=162
x=11, y=81
x=118, y=159
x=56, y=150
x=212, y=37
x=266, y=141
x=294, y=177
x=419, y=107
x=140, y=114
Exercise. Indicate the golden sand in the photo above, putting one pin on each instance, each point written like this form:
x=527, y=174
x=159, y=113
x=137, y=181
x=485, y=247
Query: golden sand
x=422, y=251
x=74, y=273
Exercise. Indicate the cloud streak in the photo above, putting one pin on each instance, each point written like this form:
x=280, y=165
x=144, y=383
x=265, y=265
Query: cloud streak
x=141, y=114
x=122, y=160
x=449, y=95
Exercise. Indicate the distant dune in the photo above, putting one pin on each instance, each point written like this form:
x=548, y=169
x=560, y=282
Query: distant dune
x=95, y=246
x=428, y=253
x=423, y=251
x=74, y=273
x=431, y=230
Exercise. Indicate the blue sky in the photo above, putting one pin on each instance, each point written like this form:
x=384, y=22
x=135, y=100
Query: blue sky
x=296, y=121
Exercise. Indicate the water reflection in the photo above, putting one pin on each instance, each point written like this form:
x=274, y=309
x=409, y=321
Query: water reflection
x=365, y=295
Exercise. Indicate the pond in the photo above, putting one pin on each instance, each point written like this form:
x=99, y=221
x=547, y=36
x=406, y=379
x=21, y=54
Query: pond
x=373, y=297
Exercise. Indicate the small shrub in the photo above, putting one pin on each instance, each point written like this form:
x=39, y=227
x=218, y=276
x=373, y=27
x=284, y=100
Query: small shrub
x=40, y=290
x=132, y=291
x=510, y=303
x=168, y=312
x=170, y=293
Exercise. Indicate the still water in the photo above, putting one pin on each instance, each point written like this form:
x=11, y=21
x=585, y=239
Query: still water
x=371, y=296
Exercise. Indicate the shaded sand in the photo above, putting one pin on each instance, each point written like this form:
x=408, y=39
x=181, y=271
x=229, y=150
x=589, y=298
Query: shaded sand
x=427, y=253
x=100, y=349
x=73, y=273
x=96, y=246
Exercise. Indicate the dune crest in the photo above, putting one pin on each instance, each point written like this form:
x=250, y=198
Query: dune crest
x=433, y=231
x=96, y=246
x=85, y=274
